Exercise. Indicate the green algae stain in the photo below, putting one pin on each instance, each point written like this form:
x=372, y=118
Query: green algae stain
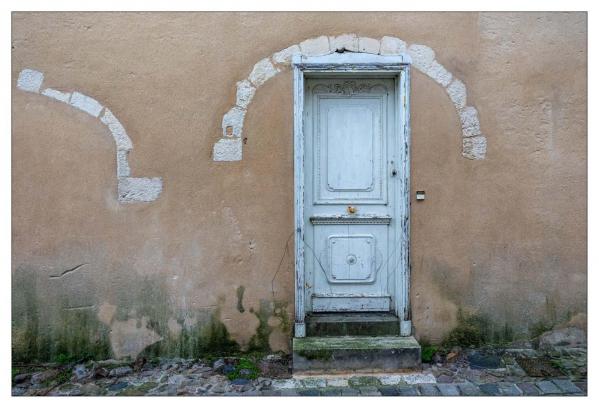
x=259, y=341
x=240, y=291
x=200, y=340
x=45, y=328
x=321, y=355
x=476, y=330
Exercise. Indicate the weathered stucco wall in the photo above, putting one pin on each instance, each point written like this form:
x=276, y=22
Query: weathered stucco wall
x=208, y=265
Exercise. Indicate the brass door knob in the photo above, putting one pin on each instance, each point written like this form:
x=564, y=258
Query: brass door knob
x=351, y=210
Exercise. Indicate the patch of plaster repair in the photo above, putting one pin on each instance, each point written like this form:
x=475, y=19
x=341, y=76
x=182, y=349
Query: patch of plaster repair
x=229, y=147
x=130, y=189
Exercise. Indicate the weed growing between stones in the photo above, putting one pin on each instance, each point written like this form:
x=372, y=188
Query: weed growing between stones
x=427, y=351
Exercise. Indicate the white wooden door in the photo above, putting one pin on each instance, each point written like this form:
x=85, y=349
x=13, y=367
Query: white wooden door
x=349, y=197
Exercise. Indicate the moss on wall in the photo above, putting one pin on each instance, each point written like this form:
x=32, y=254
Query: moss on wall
x=268, y=309
x=474, y=329
x=47, y=329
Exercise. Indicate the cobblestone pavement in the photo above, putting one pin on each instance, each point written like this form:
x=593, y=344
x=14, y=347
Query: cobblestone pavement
x=513, y=372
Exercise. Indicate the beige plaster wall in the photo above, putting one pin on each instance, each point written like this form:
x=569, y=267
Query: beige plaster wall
x=504, y=236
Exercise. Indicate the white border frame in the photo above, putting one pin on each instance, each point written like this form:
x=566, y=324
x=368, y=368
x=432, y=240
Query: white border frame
x=355, y=63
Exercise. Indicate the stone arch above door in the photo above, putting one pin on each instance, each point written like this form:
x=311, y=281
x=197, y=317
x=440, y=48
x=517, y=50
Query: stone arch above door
x=230, y=145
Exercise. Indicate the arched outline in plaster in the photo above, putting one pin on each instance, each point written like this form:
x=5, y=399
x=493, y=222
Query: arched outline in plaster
x=130, y=189
x=230, y=146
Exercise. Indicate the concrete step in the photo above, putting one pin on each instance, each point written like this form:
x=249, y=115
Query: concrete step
x=352, y=324
x=355, y=353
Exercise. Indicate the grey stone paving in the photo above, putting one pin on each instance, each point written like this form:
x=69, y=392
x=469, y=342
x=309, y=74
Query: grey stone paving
x=272, y=378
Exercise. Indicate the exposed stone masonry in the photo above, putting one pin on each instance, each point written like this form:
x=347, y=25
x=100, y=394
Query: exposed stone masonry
x=130, y=189
x=230, y=146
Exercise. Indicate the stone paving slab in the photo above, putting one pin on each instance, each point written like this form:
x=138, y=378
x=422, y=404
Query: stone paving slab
x=548, y=388
x=567, y=386
x=529, y=389
x=448, y=390
x=468, y=389
x=429, y=390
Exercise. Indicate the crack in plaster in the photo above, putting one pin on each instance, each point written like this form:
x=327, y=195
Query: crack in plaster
x=230, y=148
x=130, y=189
x=65, y=272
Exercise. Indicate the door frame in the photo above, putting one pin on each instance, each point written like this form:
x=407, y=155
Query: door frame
x=358, y=63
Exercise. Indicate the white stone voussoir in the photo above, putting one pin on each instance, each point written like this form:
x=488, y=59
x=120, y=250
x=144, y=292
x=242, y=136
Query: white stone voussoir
x=422, y=56
x=30, y=80
x=392, y=46
x=314, y=47
x=438, y=72
x=121, y=139
x=470, y=123
x=284, y=57
x=344, y=42
x=233, y=122
x=227, y=149
x=122, y=164
x=245, y=93
x=86, y=103
x=457, y=93
x=369, y=45
x=57, y=95
x=474, y=148
x=262, y=72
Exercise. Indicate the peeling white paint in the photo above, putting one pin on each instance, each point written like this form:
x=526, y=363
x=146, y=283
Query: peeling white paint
x=132, y=189
x=457, y=93
x=227, y=149
x=344, y=42
x=86, y=103
x=129, y=189
x=58, y=95
x=315, y=46
x=245, y=93
x=469, y=119
x=262, y=72
x=233, y=122
x=392, y=46
x=369, y=45
x=122, y=140
x=284, y=56
x=30, y=80
x=423, y=59
x=474, y=148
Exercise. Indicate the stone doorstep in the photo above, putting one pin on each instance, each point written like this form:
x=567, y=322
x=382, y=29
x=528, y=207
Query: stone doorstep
x=352, y=324
x=355, y=353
